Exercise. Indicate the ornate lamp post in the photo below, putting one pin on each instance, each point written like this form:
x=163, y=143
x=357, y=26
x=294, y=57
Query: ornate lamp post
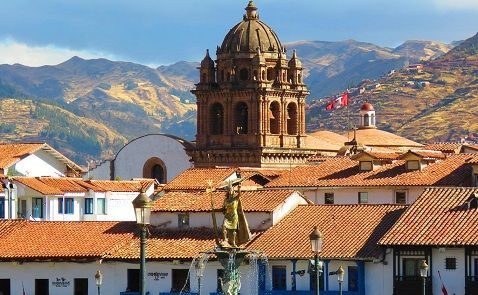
x=142, y=207
x=340, y=278
x=423, y=274
x=99, y=281
x=316, y=241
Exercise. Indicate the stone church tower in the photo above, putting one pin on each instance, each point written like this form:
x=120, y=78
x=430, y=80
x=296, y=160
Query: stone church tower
x=251, y=101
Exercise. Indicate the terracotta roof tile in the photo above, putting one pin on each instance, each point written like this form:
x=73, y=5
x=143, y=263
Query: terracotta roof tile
x=38, y=185
x=168, y=244
x=63, y=240
x=378, y=155
x=377, y=137
x=439, y=217
x=62, y=185
x=350, y=231
x=426, y=154
x=10, y=153
x=344, y=172
x=252, y=201
x=445, y=147
x=197, y=178
x=330, y=137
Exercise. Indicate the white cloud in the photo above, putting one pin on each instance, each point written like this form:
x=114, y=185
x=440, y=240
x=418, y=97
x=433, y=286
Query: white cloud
x=456, y=4
x=12, y=52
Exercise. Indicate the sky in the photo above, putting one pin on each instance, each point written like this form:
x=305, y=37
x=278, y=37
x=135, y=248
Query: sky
x=160, y=32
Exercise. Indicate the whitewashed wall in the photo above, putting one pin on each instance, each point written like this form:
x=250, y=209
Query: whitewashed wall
x=256, y=220
x=454, y=280
x=40, y=163
x=346, y=195
x=130, y=160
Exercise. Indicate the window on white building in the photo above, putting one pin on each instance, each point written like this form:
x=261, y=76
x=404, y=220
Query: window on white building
x=329, y=198
x=69, y=206
x=42, y=287
x=37, y=207
x=183, y=220
x=450, y=263
x=363, y=197
x=80, y=287
x=2, y=207
x=400, y=197
x=88, y=205
x=279, y=277
x=100, y=206
x=180, y=280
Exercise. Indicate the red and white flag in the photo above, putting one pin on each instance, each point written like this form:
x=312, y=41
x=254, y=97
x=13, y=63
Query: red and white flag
x=443, y=289
x=338, y=102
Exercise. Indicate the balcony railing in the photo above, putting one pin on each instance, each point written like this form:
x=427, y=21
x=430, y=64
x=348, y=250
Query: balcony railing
x=404, y=285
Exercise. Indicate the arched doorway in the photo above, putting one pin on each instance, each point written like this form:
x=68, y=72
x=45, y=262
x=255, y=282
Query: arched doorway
x=241, y=118
x=156, y=169
x=216, y=119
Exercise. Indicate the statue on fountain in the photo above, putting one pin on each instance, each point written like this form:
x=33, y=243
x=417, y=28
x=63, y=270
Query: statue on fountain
x=235, y=228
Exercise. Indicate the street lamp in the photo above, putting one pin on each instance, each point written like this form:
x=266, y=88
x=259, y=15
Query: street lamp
x=423, y=274
x=340, y=278
x=316, y=240
x=142, y=207
x=99, y=280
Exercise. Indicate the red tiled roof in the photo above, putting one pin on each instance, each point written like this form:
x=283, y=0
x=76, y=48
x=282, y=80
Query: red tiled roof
x=121, y=186
x=10, y=153
x=252, y=201
x=197, y=178
x=34, y=240
x=61, y=185
x=37, y=185
x=425, y=154
x=344, y=172
x=350, y=231
x=378, y=155
x=445, y=147
x=168, y=244
x=380, y=138
x=330, y=137
x=439, y=217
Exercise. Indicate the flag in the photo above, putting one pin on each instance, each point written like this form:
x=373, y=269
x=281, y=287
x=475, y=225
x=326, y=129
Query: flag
x=23, y=289
x=443, y=289
x=345, y=99
x=329, y=106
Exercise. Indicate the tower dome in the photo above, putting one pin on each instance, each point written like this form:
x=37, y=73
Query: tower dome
x=250, y=34
x=367, y=116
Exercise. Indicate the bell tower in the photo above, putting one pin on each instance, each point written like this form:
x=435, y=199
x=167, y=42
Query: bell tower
x=251, y=101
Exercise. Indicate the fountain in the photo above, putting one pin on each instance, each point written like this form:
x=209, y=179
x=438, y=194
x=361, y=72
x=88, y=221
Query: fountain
x=229, y=251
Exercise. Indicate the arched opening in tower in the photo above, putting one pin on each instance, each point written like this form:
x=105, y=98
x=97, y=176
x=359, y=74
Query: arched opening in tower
x=216, y=119
x=241, y=118
x=274, y=117
x=366, y=120
x=156, y=169
x=292, y=118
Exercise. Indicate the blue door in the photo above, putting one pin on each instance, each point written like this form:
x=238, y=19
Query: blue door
x=353, y=283
x=279, y=277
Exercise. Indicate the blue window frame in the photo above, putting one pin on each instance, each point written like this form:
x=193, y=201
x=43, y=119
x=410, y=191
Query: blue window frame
x=279, y=277
x=69, y=206
x=100, y=206
x=2, y=207
x=37, y=207
x=353, y=283
x=88, y=205
x=60, y=205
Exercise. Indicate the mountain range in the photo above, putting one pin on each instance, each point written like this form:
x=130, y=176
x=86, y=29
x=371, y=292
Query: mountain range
x=90, y=108
x=438, y=102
